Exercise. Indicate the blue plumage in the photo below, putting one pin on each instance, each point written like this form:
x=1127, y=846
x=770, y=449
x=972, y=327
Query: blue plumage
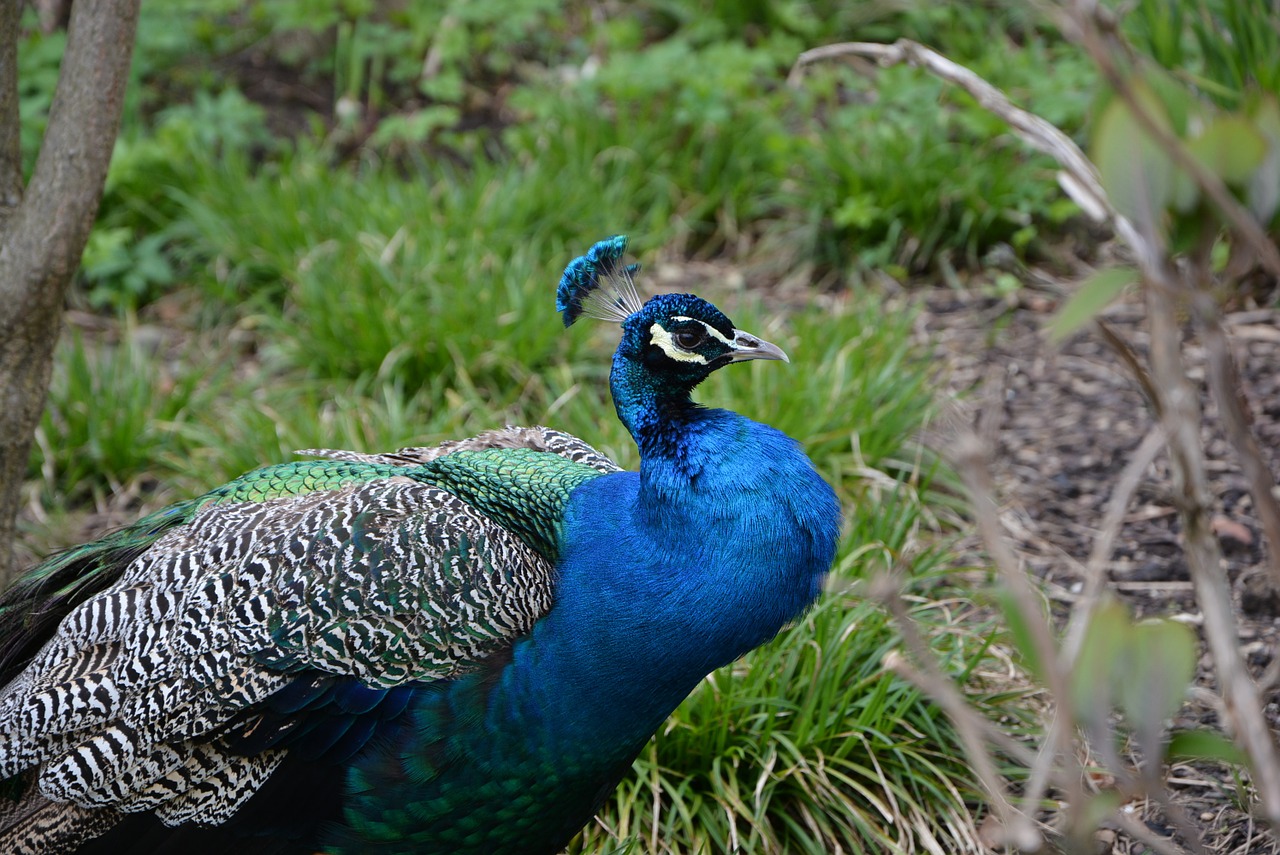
x=458, y=649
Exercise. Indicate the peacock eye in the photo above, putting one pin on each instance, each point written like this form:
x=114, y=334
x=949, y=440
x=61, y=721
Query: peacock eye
x=689, y=339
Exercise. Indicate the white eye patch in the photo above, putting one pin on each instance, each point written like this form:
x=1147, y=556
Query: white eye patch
x=711, y=331
x=659, y=336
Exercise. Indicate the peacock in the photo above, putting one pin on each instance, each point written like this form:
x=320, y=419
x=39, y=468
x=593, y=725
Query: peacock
x=454, y=649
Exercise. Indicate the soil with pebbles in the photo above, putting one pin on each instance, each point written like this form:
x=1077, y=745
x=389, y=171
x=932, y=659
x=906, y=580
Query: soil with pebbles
x=1063, y=422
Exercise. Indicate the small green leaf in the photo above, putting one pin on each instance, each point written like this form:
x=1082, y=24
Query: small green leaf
x=1099, y=807
x=1262, y=193
x=1100, y=663
x=1205, y=745
x=1161, y=664
x=1177, y=101
x=1094, y=294
x=1023, y=637
x=858, y=212
x=1137, y=175
x=1231, y=147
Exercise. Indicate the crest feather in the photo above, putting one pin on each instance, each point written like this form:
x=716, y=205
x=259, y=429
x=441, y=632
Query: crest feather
x=598, y=285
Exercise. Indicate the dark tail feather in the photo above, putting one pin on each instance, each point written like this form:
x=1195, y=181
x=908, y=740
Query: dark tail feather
x=36, y=825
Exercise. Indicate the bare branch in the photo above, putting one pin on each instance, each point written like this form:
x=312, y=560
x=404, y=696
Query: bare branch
x=1180, y=416
x=972, y=456
x=10, y=136
x=1079, y=178
x=1019, y=828
x=1034, y=130
x=1224, y=381
x=1113, y=519
x=1139, y=831
x=1130, y=358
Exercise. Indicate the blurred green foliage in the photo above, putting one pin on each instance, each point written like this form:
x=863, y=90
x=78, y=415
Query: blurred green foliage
x=671, y=119
x=1207, y=78
x=1224, y=49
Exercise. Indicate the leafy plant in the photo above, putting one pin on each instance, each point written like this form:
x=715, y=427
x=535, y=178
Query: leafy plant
x=122, y=273
x=1240, y=148
x=137, y=250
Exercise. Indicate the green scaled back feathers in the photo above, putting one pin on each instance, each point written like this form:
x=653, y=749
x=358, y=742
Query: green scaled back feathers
x=485, y=480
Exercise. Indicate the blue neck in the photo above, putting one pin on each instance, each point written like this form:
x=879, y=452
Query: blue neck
x=662, y=419
x=722, y=539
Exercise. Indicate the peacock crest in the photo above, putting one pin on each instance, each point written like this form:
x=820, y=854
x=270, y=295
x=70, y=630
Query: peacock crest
x=598, y=285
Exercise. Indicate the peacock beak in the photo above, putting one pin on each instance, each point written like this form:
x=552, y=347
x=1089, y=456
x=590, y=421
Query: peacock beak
x=746, y=346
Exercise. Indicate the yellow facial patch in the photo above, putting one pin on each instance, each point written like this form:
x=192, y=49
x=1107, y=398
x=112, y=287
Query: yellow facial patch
x=659, y=336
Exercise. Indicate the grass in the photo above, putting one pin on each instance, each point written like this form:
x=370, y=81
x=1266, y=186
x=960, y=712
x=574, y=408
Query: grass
x=86, y=449
x=674, y=123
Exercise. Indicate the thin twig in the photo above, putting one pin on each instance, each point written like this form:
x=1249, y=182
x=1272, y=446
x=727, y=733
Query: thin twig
x=1224, y=382
x=1131, y=361
x=1181, y=419
x=1112, y=520
x=1019, y=829
x=972, y=458
x=1140, y=832
x=988, y=730
x=1035, y=130
x=1042, y=769
x=1079, y=179
x=1176, y=814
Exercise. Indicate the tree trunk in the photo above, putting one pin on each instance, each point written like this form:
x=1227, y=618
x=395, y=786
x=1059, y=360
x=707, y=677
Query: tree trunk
x=43, y=229
x=53, y=14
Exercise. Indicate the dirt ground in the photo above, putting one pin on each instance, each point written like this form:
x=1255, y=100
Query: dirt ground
x=1067, y=418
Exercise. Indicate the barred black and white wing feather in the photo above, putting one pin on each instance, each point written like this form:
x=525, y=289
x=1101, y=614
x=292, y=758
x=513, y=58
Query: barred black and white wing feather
x=387, y=573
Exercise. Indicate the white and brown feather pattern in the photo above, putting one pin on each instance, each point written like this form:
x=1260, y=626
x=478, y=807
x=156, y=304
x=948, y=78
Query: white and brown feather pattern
x=537, y=438
x=390, y=581
x=35, y=825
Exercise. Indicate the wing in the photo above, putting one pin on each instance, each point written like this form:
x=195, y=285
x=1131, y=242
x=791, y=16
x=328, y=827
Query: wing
x=389, y=574
x=31, y=609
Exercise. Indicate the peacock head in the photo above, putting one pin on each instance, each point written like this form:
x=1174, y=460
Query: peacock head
x=670, y=343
